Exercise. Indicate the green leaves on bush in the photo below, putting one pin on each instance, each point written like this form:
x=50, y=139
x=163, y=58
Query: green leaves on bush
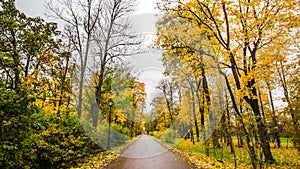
x=30, y=138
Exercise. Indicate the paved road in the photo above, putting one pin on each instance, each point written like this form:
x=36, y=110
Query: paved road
x=146, y=153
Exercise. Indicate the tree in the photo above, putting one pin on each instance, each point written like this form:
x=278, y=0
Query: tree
x=35, y=85
x=80, y=18
x=33, y=58
x=186, y=62
x=23, y=40
x=102, y=39
x=288, y=71
x=114, y=40
x=137, y=96
x=240, y=31
x=167, y=89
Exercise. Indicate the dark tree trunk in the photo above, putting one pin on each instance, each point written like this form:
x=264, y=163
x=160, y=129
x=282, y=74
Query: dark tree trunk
x=250, y=148
x=195, y=116
x=262, y=131
x=192, y=136
x=232, y=151
x=62, y=87
x=274, y=118
x=216, y=139
x=240, y=140
x=206, y=143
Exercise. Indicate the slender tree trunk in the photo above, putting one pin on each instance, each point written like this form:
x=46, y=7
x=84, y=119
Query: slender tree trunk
x=229, y=134
x=287, y=97
x=195, y=116
x=262, y=107
x=63, y=85
x=192, y=136
x=206, y=143
x=262, y=131
x=98, y=95
x=216, y=139
x=251, y=151
x=274, y=118
x=206, y=101
x=16, y=61
x=79, y=108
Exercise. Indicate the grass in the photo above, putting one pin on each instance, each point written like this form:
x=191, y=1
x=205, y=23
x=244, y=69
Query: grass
x=222, y=158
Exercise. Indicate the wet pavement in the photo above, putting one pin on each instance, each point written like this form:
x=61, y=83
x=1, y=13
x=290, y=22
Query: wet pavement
x=146, y=153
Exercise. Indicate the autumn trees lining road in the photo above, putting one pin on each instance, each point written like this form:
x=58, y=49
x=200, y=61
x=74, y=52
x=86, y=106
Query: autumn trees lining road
x=228, y=64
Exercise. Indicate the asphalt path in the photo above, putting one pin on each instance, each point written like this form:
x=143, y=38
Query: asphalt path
x=146, y=153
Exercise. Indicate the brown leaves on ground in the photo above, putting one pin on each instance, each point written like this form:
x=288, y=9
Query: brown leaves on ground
x=192, y=159
x=100, y=161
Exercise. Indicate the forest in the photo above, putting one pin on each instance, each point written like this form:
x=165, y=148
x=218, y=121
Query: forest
x=229, y=97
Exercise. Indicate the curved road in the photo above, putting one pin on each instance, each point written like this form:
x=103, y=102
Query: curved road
x=145, y=153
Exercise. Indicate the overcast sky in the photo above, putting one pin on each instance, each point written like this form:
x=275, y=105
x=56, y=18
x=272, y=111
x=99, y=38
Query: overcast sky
x=147, y=66
x=36, y=7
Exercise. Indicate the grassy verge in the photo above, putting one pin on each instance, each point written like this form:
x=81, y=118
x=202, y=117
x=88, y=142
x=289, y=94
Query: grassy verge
x=222, y=158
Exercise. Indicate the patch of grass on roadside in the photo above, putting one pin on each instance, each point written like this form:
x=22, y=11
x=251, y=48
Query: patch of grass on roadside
x=222, y=158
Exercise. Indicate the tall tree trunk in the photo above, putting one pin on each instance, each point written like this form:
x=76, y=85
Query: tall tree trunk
x=17, y=63
x=274, y=118
x=262, y=106
x=251, y=151
x=262, y=131
x=216, y=139
x=192, y=136
x=98, y=94
x=229, y=133
x=195, y=116
x=253, y=102
x=60, y=102
x=287, y=97
x=206, y=99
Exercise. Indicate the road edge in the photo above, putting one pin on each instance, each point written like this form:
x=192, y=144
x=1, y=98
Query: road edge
x=183, y=155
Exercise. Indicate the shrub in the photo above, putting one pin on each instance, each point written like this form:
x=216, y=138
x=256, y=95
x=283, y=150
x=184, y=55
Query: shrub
x=30, y=138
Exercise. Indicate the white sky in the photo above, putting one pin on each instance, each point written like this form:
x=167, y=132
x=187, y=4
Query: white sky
x=36, y=7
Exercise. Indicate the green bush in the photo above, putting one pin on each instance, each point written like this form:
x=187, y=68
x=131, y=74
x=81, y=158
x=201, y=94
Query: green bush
x=63, y=143
x=14, y=119
x=169, y=136
x=32, y=139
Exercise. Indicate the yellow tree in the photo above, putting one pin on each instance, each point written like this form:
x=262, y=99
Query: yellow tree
x=49, y=80
x=138, y=95
x=185, y=62
x=240, y=31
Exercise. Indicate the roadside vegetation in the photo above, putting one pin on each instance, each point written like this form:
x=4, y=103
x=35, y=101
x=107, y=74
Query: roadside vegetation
x=231, y=86
x=48, y=119
x=286, y=156
x=230, y=96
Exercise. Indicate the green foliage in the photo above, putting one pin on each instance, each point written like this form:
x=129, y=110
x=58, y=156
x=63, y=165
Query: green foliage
x=14, y=117
x=169, y=136
x=22, y=41
x=121, y=129
x=31, y=138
